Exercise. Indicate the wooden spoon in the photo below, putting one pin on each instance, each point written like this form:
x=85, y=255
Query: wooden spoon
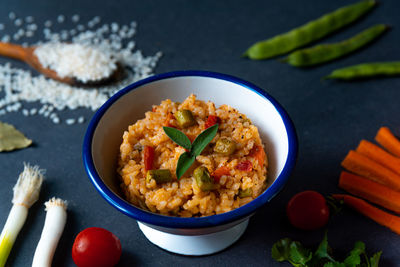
x=27, y=55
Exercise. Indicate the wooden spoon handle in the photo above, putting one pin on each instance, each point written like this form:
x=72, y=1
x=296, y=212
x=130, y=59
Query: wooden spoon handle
x=14, y=51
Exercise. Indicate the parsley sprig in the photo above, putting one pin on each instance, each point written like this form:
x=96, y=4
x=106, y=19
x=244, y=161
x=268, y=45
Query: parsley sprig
x=194, y=149
x=299, y=256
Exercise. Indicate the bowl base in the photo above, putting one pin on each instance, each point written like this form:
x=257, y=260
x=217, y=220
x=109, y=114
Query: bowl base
x=194, y=245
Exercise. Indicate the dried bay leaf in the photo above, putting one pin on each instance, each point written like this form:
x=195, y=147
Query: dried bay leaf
x=11, y=138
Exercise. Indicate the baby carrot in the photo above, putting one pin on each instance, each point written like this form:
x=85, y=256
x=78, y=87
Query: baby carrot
x=379, y=155
x=362, y=165
x=370, y=190
x=386, y=139
x=370, y=211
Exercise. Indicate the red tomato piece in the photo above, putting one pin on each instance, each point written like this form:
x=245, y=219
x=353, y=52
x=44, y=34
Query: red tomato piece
x=308, y=210
x=258, y=153
x=96, y=247
x=211, y=120
x=167, y=121
x=223, y=170
x=148, y=156
x=246, y=166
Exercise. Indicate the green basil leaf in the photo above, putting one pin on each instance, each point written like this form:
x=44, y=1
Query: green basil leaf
x=374, y=260
x=178, y=137
x=184, y=162
x=203, y=139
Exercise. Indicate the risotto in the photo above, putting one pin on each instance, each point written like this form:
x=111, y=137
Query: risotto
x=230, y=172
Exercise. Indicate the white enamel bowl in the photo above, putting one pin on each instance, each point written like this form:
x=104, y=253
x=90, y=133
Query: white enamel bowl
x=188, y=236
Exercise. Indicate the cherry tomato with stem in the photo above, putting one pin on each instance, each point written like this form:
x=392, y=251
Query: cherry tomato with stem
x=96, y=247
x=308, y=210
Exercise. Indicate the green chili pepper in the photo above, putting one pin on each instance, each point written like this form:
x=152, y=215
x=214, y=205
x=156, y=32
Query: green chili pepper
x=245, y=193
x=203, y=179
x=327, y=52
x=309, y=32
x=366, y=70
x=161, y=176
x=185, y=118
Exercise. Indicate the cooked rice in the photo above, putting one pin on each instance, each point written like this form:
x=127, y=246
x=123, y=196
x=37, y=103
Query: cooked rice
x=183, y=197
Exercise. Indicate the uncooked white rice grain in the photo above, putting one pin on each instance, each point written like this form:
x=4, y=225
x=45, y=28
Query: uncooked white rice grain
x=12, y=15
x=60, y=18
x=48, y=23
x=19, y=85
x=29, y=19
x=18, y=22
x=70, y=121
x=75, y=18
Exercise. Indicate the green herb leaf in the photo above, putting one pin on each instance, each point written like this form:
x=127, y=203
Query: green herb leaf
x=299, y=254
x=280, y=250
x=178, y=137
x=203, y=139
x=354, y=258
x=323, y=249
x=11, y=138
x=184, y=162
x=374, y=260
x=292, y=251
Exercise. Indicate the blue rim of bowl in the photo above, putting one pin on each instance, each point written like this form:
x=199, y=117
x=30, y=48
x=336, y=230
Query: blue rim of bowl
x=197, y=222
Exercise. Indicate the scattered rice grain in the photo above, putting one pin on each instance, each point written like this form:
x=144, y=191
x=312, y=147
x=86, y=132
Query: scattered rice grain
x=75, y=18
x=70, y=121
x=18, y=22
x=11, y=15
x=48, y=23
x=60, y=18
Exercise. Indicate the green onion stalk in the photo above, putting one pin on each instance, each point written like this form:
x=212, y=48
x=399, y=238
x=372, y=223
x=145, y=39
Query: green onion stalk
x=56, y=217
x=26, y=193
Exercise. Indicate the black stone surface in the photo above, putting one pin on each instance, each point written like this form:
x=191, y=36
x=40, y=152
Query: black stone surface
x=330, y=118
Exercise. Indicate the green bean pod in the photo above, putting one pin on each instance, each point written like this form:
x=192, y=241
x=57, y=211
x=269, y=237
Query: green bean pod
x=309, y=32
x=327, y=52
x=366, y=70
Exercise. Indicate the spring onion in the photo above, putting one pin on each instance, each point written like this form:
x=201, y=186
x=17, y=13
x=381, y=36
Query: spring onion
x=26, y=193
x=56, y=217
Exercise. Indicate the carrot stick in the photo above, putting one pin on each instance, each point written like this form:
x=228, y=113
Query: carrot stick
x=363, y=166
x=379, y=155
x=387, y=140
x=370, y=190
x=370, y=211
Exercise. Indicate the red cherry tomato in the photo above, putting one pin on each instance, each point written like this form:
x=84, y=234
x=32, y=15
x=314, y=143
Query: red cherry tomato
x=96, y=247
x=308, y=210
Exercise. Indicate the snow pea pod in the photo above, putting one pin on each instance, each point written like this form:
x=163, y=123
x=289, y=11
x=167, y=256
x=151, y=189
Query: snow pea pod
x=327, y=52
x=366, y=70
x=309, y=32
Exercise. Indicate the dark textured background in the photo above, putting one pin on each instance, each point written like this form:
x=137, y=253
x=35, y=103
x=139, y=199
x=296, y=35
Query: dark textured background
x=330, y=118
